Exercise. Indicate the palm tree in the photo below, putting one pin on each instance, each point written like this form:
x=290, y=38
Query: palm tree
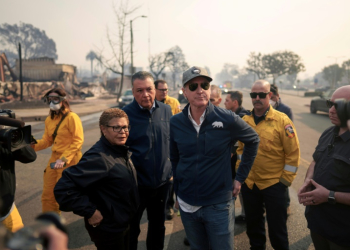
x=91, y=56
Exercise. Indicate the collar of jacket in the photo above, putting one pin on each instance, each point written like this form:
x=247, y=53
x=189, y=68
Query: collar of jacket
x=269, y=115
x=209, y=109
x=137, y=105
x=123, y=150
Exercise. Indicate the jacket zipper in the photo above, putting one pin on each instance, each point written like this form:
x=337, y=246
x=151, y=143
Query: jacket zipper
x=152, y=144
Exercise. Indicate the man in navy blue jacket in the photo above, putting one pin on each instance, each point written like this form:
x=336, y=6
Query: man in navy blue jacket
x=200, y=152
x=149, y=143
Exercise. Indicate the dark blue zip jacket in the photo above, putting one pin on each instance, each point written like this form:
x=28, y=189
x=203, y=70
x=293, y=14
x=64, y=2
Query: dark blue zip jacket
x=202, y=162
x=149, y=143
x=281, y=107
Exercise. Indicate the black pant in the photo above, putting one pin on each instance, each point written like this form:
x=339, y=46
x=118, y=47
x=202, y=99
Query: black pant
x=171, y=201
x=154, y=200
x=107, y=240
x=321, y=243
x=274, y=198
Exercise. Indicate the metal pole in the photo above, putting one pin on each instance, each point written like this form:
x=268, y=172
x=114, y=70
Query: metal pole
x=20, y=69
x=131, y=52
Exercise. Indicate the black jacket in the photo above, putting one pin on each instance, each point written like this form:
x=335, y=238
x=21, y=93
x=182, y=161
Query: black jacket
x=104, y=179
x=7, y=174
x=149, y=143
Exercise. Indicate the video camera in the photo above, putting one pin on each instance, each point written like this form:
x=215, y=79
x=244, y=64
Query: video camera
x=28, y=238
x=15, y=137
x=343, y=110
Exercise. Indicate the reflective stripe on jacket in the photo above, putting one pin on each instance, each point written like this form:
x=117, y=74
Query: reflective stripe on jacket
x=69, y=139
x=278, y=154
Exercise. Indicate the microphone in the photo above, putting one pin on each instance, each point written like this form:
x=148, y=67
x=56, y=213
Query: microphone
x=11, y=122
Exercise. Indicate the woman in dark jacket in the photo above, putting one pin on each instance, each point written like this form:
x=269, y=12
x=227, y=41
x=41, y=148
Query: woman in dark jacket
x=102, y=187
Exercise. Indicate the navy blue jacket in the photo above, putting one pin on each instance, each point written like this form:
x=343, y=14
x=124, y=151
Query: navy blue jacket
x=281, y=107
x=202, y=162
x=149, y=143
x=241, y=112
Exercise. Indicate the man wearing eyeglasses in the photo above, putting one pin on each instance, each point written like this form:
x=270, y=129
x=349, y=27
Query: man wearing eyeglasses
x=162, y=96
x=200, y=152
x=149, y=143
x=326, y=189
x=274, y=170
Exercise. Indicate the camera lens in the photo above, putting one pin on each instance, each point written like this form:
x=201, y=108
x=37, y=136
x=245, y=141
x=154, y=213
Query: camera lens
x=16, y=137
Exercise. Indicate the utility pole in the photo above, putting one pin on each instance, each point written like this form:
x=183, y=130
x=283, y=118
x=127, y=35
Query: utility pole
x=20, y=69
x=335, y=70
x=132, y=43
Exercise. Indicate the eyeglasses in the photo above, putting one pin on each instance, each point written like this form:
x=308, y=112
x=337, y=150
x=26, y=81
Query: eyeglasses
x=261, y=95
x=54, y=99
x=194, y=86
x=119, y=128
x=163, y=90
x=331, y=104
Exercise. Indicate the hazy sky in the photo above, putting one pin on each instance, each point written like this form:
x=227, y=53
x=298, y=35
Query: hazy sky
x=210, y=32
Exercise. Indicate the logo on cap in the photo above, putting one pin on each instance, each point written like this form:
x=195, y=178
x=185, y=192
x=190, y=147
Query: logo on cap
x=196, y=71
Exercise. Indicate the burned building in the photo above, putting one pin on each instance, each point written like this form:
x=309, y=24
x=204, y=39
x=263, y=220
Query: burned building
x=45, y=69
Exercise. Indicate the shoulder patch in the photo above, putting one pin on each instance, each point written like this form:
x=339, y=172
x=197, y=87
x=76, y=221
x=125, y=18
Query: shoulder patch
x=289, y=131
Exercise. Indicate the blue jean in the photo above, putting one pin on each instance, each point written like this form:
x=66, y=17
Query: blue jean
x=211, y=227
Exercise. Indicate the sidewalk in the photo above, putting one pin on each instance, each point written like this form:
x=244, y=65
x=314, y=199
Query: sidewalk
x=81, y=108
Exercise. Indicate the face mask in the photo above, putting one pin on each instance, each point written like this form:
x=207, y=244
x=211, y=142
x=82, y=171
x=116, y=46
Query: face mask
x=55, y=107
x=272, y=103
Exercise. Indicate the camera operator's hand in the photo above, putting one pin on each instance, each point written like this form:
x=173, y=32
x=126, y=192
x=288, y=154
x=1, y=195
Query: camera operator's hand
x=95, y=219
x=59, y=164
x=57, y=240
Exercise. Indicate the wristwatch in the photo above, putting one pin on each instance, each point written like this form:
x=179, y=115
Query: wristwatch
x=331, y=198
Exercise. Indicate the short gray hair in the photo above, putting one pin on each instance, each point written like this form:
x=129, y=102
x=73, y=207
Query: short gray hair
x=142, y=75
x=215, y=88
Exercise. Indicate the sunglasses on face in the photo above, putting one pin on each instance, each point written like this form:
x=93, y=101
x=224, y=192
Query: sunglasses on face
x=331, y=104
x=194, y=86
x=261, y=95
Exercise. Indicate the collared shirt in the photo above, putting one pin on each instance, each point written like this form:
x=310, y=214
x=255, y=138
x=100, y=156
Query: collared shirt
x=201, y=119
x=185, y=206
x=258, y=119
x=150, y=110
x=332, y=171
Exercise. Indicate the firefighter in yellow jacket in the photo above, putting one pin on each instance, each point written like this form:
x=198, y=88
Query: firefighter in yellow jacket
x=274, y=170
x=162, y=96
x=66, y=146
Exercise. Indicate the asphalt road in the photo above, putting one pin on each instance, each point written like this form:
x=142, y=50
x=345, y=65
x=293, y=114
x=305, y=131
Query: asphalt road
x=309, y=128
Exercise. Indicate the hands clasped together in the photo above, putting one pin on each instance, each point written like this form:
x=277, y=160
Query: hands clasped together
x=311, y=193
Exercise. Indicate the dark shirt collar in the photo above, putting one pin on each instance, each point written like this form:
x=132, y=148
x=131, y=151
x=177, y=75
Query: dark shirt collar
x=344, y=136
x=258, y=119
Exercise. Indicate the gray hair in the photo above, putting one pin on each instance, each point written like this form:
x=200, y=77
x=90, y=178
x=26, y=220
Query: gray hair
x=215, y=89
x=142, y=75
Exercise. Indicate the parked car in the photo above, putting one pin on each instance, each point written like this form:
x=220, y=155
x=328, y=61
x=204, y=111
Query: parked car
x=322, y=89
x=319, y=103
x=126, y=98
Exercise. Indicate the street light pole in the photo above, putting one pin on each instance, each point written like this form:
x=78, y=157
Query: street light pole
x=132, y=43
